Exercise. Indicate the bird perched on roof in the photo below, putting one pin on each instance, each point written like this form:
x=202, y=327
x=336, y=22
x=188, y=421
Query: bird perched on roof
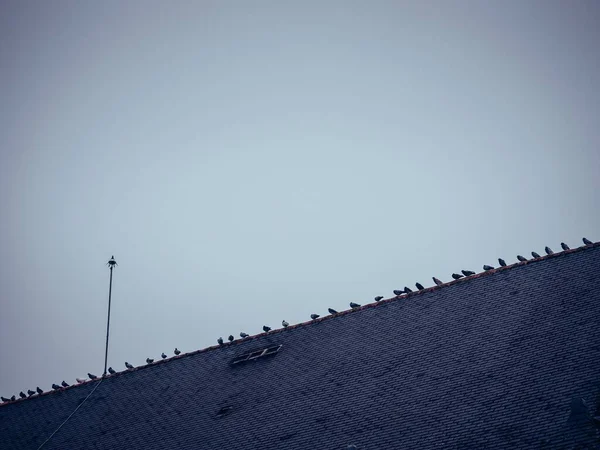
x=4, y=399
x=354, y=305
x=521, y=258
x=436, y=281
x=456, y=276
x=398, y=292
x=314, y=316
x=467, y=273
x=129, y=366
x=419, y=286
x=378, y=298
x=30, y=392
x=535, y=254
x=163, y=356
x=243, y=335
x=548, y=250
x=149, y=360
x=407, y=290
x=92, y=376
x=64, y=384
x=111, y=371
x=13, y=398
x=22, y=395
x=80, y=380
x=564, y=246
x=502, y=262
x=220, y=341
x=176, y=351
x=266, y=329
x=332, y=311
x=587, y=241
x=230, y=338
x=39, y=391
x=486, y=267
x=55, y=386
x=284, y=324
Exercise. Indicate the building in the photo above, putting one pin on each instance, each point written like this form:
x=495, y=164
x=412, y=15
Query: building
x=504, y=359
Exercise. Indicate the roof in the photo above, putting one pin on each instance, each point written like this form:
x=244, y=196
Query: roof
x=509, y=358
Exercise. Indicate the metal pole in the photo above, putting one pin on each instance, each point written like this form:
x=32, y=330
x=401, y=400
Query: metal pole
x=111, y=264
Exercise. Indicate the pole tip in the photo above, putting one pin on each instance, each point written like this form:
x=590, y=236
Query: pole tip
x=111, y=262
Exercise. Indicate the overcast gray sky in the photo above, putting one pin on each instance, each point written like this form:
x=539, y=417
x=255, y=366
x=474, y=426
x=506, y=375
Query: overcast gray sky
x=250, y=161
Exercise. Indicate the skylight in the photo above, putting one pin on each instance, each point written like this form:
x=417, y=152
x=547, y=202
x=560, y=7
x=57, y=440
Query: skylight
x=257, y=354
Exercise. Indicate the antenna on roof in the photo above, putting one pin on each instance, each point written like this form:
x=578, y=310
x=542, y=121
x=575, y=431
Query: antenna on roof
x=111, y=264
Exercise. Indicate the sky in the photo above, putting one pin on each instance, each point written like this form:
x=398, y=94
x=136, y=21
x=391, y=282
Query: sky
x=248, y=162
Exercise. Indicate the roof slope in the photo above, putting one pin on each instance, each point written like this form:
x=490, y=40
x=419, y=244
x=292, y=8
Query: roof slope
x=497, y=360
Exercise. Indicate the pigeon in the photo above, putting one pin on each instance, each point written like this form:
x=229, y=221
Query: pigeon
x=149, y=360
x=266, y=329
x=284, y=324
x=486, y=267
x=176, y=351
x=64, y=384
x=521, y=258
x=564, y=246
x=163, y=356
x=30, y=392
x=111, y=371
x=39, y=391
x=397, y=292
x=407, y=290
x=314, y=316
x=378, y=298
x=456, y=276
x=354, y=305
x=22, y=395
x=55, y=386
x=129, y=366
x=230, y=338
x=548, y=250
x=419, y=286
x=587, y=241
x=467, y=273
x=80, y=380
x=92, y=376
x=5, y=399
x=436, y=281
x=331, y=311
x=220, y=341
x=535, y=254
x=502, y=262
x=243, y=335
x=13, y=398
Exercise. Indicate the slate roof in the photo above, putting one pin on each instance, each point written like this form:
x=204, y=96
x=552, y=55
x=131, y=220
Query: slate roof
x=499, y=360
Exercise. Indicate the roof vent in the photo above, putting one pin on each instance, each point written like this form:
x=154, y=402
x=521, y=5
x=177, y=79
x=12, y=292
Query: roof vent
x=224, y=411
x=272, y=350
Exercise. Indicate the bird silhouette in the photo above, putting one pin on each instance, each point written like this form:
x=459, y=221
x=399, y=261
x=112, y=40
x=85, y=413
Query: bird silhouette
x=332, y=311
x=39, y=391
x=176, y=351
x=407, y=290
x=502, y=262
x=55, y=386
x=354, y=305
x=163, y=356
x=467, y=273
x=243, y=335
x=419, y=286
x=456, y=276
x=398, y=292
x=436, y=281
x=266, y=329
x=564, y=246
x=4, y=399
x=548, y=250
x=587, y=241
x=80, y=380
x=378, y=298
x=22, y=395
x=92, y=376
x=521, y=258
x=64, y=384
x=13, y=398
x=314, y=316
x=284, y=324
x=535, y=254
x=230, y=338
x=129, y=366
x=486, y=267
x=149, y=360
x=220, y=340
x=30, y=392
x=111, y=371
